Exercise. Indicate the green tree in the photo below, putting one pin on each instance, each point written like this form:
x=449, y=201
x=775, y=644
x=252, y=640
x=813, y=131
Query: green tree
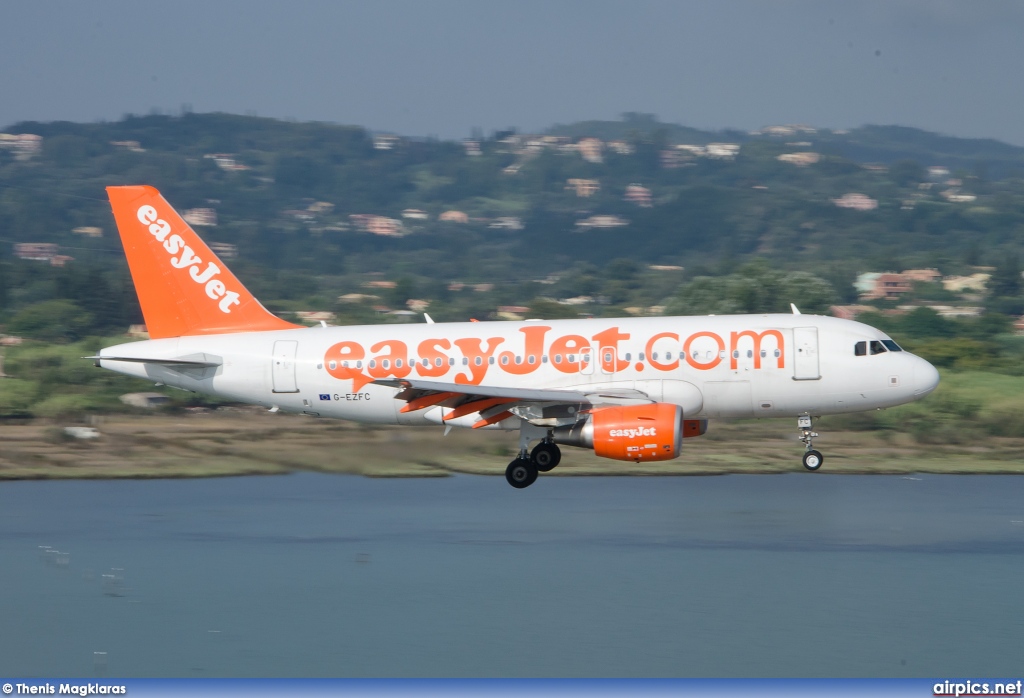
x=1006, y=280
x=925, y=322
x=755, y=288
x=4, y=283
x=405, y=289
x=906, y=172
x=51, y=321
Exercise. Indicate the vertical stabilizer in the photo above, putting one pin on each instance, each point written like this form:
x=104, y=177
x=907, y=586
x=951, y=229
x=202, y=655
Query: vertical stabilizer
x=183, y=288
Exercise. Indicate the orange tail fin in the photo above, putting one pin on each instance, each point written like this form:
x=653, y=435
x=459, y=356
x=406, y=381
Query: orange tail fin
x=183, y=288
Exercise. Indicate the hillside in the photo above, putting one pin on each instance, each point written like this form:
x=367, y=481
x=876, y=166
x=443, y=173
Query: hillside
x=308, y=212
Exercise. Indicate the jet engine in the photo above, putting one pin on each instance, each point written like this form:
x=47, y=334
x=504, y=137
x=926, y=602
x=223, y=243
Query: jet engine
x=633, y=432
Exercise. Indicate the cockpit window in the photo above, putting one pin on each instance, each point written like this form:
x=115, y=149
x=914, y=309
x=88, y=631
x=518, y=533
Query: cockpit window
x=891, y=345
x=860, y=349
x=877, y=347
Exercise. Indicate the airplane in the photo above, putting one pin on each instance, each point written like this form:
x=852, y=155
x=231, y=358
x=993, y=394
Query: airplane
x=631, y=389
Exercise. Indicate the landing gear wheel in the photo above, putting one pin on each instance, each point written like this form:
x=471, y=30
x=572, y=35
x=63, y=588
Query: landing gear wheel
x=521, y=473
x=545, y=456
x=813, y=460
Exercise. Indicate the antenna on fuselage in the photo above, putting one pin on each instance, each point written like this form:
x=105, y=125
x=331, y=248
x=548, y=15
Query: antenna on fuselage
x=430, y=321
x=795, y=310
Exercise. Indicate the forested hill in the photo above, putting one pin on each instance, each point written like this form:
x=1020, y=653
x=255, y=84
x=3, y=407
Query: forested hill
x=307, y=212
x=868, y=144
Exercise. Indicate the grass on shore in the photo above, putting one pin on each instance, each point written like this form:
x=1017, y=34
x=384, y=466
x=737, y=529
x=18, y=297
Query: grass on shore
x=256, y=443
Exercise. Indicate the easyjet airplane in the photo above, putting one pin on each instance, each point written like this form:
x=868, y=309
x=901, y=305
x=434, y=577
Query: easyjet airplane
x=631, y=389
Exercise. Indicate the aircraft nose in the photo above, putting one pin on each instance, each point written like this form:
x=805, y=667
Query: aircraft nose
x=926, y=378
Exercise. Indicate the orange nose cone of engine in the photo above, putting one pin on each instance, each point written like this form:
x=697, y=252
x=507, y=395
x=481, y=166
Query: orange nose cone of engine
x=638, y=432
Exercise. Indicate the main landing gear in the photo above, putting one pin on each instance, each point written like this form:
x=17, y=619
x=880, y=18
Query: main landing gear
x=520, y=473
x=546, y=455
x=812, y=459
x=523, y=471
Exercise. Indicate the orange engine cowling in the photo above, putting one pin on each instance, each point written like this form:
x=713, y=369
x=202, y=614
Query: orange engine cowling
x=634, y=432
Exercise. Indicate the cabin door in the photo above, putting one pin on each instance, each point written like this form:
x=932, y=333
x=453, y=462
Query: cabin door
x=805, y=354
x=283, y=366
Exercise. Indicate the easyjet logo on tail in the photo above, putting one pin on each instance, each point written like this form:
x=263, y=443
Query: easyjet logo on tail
x=183, y=257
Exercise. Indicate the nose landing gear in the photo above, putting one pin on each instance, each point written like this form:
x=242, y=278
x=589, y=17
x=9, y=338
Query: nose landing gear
x=812, y=459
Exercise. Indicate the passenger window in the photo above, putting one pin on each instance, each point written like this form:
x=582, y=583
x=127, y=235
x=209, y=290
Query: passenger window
x=877, y=347
x=860, y=349
x=891, y=345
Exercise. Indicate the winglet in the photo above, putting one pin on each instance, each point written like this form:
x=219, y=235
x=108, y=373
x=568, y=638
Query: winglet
x=182, y=287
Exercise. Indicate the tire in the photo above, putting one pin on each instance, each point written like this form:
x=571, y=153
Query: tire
x=546, y=456
x=521, y=473
x=813, y=460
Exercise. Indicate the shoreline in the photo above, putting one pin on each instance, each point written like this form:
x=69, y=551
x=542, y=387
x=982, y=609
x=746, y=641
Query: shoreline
x=218, y=444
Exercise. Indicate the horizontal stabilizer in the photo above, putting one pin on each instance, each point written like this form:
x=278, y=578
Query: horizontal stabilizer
x=193, y=363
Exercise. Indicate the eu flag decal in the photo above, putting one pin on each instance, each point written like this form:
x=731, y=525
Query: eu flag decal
x=325, y=396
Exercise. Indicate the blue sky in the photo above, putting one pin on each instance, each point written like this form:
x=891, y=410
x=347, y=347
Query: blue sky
x=444, y=67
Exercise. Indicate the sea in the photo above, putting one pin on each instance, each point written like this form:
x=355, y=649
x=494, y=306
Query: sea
x=316, y=575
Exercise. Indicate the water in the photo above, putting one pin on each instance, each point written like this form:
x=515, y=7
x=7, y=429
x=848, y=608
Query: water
x=319, y=575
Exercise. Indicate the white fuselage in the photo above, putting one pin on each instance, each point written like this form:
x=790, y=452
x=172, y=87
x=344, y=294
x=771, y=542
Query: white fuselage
x=736, y=366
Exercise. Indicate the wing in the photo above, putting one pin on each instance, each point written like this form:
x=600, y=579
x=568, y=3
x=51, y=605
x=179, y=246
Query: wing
x=539, y=406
